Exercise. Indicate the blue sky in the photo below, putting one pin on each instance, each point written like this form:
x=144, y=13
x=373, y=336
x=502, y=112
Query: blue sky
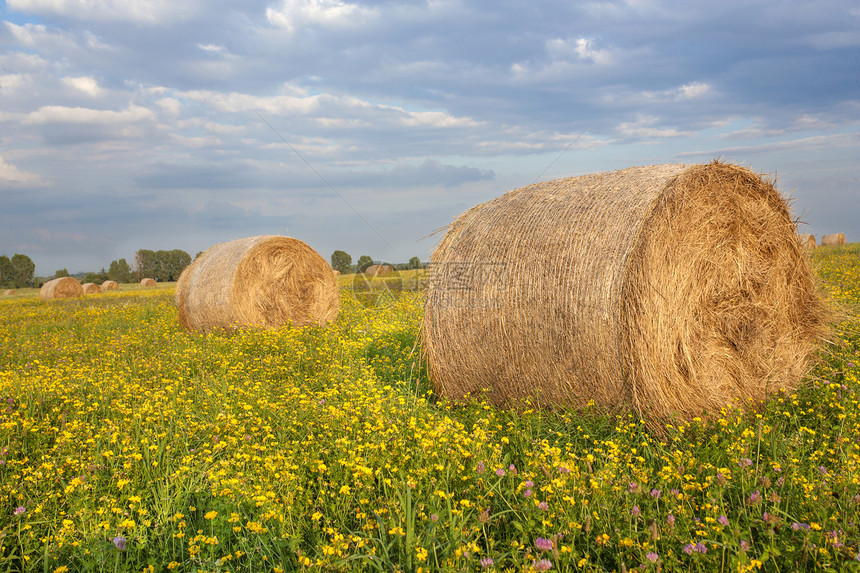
x=366, y=126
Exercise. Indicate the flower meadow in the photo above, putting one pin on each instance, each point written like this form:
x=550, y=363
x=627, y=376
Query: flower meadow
x=128, y=444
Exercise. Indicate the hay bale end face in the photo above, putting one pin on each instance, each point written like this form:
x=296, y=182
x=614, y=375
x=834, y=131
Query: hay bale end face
x=376, y=270
x=265, y=281
x=148, y=283
x=807, y=241
x=833, y=239
x=91, y=288
x=110, y=285
x=670, y=289
x=63, y=287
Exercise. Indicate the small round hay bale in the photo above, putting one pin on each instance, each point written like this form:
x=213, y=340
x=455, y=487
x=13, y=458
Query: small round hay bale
x=9, y=292
x=63, y=287
x=807, y=241
x=336, y=273
x=147, y=283
x=110, y=285
x=833, y=239
x=264, y=281
x=91, y=288
x=376, y=270
x=670, y=289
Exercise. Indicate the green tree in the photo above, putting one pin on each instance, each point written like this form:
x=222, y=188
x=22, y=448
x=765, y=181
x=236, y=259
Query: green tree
x=414, y=263
x=364, y=261
x=61, y=273
x=163, y=266
x=119, y=271
x=7, y=272
x=24, y=269
x=341, y=261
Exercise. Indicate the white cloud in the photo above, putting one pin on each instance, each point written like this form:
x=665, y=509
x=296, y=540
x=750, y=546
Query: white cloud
x=580, y=48
x=12, y=176
x=170, y=105
x=82, y=115
x=139, y=11
x=84, y=84
x=328, y=13
x=643, y=127
x=11, y=82
x=691, y=91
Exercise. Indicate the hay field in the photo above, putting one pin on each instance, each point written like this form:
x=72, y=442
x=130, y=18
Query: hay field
x=129, y=444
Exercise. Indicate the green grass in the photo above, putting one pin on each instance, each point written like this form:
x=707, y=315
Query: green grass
x=127, y=443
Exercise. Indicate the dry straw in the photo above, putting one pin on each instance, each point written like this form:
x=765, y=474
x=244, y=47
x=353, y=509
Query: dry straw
x=670, y=289
x=265, y=281
x=834, y=239
x=110, y=285
x=147, y=283
x=807, y=241
x=91, y=288
x=63, y=287
x=9, y=292
x=376, y=270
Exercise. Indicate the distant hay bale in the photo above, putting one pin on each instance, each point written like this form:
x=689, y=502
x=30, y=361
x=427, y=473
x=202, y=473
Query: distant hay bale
x=63, y=287
x=9, y=292
x=834, y=239
x=376, y=270
x=110, y=285
x=91, y=288
x=336, y=273
x=147, y=282
x=670, y=289
x=265, y=281
x=807, y=241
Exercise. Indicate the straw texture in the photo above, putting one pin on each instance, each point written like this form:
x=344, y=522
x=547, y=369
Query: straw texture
x=264, y=281
x=669, y=289
x=807, y=241
x=63, y=287
x=110, y=285
x=91, y=288
x=376, y=270
x=834, y=239
x=147, y=283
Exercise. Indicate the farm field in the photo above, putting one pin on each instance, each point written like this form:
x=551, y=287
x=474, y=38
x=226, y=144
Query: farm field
x=128, y=444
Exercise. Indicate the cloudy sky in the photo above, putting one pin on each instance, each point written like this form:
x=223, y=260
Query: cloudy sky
x=367, y=125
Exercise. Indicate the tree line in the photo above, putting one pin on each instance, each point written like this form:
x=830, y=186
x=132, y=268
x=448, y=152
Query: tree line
x=341, y=261
x=163, y=266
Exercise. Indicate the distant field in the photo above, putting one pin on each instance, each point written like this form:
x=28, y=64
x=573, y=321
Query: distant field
x=128, y=444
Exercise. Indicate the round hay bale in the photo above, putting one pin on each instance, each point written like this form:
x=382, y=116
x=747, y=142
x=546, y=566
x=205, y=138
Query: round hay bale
x=834, y=239
x=110, y=285
x=807, y=241
x=63, y=287
x=336, y=273
x=669, y=289
x=148, y=283
x=376, y=270
x=91, y=288
x=9, y=292
x=265, y=281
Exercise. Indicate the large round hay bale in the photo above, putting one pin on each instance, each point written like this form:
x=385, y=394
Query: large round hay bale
x=833, y=239
x=9, y=292
x=63, y=287
x=148, y=283
x=91, y=288
x=669, y=289
x=376, y=270
x=807, y=241
x=265, y=281
x=110, y=285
